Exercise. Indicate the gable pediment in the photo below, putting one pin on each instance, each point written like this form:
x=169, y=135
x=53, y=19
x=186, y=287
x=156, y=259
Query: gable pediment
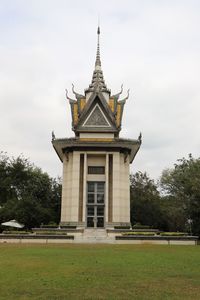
x=96, y=118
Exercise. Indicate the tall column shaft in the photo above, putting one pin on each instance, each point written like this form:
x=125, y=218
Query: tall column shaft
x=66, y=188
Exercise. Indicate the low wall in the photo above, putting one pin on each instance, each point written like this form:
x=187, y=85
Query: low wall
x=58, y=239
x=43, y=239
x=161, y=240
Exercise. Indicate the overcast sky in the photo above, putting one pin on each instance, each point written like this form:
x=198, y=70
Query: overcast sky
x=152, y=47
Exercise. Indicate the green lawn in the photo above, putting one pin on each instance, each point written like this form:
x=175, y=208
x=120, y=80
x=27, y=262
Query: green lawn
x=99, y=272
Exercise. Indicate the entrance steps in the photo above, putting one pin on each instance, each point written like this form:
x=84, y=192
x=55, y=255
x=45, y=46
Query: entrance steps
x=94, y=235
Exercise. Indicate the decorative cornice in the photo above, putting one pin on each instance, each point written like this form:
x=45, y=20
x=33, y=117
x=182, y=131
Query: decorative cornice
x=117, y=144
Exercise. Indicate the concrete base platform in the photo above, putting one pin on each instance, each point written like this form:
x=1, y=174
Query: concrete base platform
x=97, y=236
x=94, y=236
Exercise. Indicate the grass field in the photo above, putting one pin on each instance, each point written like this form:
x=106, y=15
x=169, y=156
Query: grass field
x=99, y=272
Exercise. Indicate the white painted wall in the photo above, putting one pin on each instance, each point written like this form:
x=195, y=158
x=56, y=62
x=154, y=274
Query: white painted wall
x=99, y=135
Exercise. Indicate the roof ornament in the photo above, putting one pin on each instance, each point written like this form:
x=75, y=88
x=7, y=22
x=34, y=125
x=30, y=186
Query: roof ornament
x=53, y=136
x=124, y=100
x=78, y=96
x=140, y=137
x=70, y=99
x=118, y=94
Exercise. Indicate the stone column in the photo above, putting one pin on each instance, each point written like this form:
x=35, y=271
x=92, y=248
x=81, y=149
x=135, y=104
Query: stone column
x=85, y=187
x=75, y=186
x=125, y=189
x=116, y=187
x=106, y=187
x=66, y=188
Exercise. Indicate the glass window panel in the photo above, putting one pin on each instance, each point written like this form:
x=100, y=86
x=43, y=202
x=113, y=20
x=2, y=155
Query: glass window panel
x=91, y=186
x=96, y=170
x=100, y=210
x=90, y=222
x=100, y=198
x=90, y=198
x=100, y=222
x=90, y=211
x=100, y=187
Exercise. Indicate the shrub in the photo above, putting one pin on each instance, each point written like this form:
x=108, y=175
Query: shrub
x=173, y=233
x=139, y=233
x=139, y=226
x=15, y=232
x=49, y=232
x=52, y=225
x=121, y=227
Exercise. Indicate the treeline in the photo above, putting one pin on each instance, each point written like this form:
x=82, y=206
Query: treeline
x=32, y=197
x=173, y=202
x=27, y=194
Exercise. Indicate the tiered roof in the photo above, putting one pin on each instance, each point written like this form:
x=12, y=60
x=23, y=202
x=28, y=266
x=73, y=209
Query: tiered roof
x=94, y=112
x=97, y=110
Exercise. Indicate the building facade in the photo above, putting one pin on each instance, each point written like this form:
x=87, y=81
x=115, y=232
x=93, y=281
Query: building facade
x=96, y=188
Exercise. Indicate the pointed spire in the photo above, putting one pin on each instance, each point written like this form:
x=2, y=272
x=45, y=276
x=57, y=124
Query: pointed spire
x=98, y=83
x=98, y=60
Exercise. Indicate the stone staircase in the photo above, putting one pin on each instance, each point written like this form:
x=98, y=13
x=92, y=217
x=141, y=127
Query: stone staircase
x=94, y=235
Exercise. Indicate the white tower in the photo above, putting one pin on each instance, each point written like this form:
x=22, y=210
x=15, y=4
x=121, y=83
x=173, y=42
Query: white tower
x=96, y=189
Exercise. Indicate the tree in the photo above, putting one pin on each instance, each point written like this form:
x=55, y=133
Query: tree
x=27, y=194
x=145, y=201
x=181, y=185
x=173, y=214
